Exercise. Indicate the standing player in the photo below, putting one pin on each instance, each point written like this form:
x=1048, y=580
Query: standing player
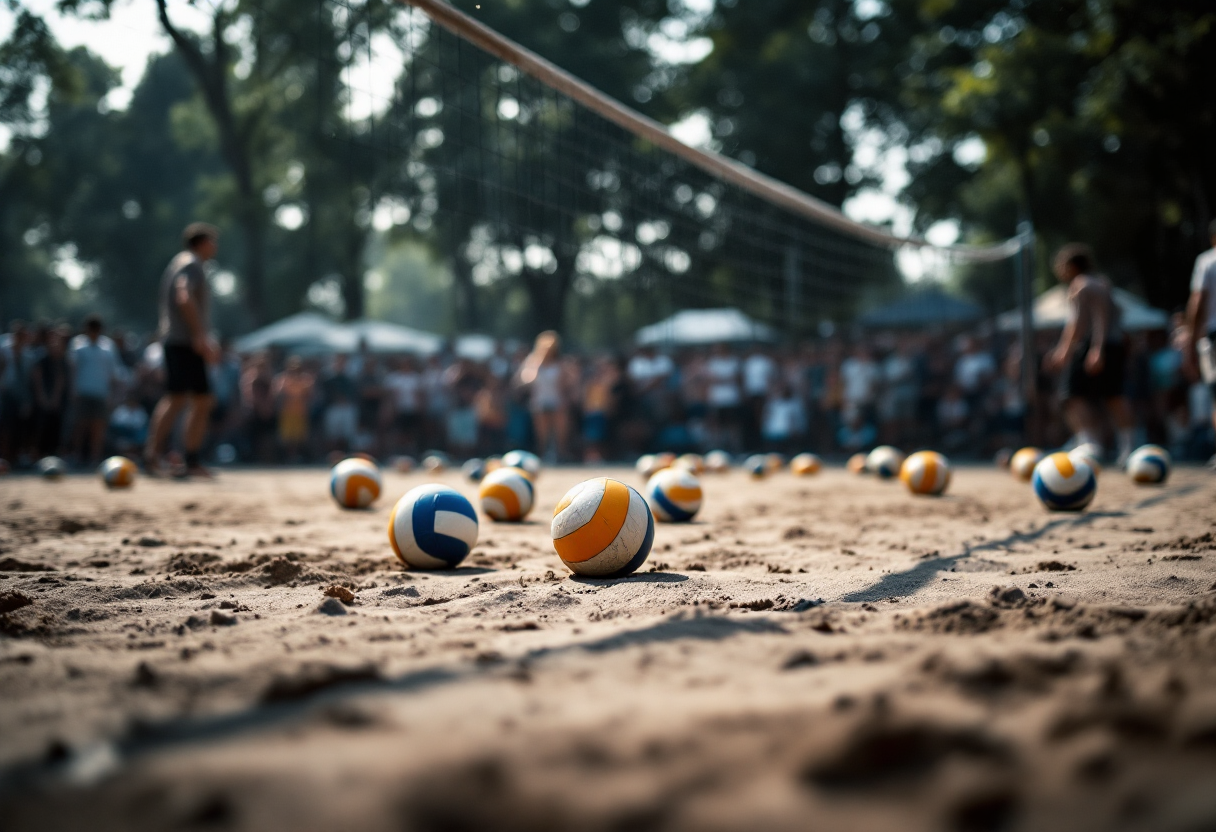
x=185, y=303
x=1201, y=320
x=1092, y=353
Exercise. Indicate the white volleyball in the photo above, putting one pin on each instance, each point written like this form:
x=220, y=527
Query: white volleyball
x=603, y=528
x=355, y=483
x=432, y=527
x=506, y=495
x=674, y=495
x=884, y=462
x=526, y=461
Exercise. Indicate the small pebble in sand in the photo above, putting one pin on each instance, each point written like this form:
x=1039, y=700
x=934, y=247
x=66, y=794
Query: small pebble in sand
x=331, y=606
x=341, y=593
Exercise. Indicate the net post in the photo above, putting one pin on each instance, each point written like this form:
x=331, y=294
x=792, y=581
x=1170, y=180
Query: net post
x=1023, y=263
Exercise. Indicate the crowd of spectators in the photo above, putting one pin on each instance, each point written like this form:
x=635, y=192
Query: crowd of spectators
x=84, y=394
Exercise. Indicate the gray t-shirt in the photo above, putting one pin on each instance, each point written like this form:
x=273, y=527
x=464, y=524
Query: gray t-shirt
x=184, y=267
x=1204, y=280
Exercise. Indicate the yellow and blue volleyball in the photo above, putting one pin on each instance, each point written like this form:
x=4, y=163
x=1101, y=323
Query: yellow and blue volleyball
x=756, y=466
x=52, y=467
x=857, y=464
x=1091, y=454
x=717, y=462
x=1064, y=484
x=884, y=462
x=118, y=472
x=432, y=527
x=525, y=461
x=354, y=483
x=1149, y=465
x=804, y=465
x=474, y=469
x=506, y=495
x=1022, y=464
x=603, y=528
x=926, y=472
x=674, y=495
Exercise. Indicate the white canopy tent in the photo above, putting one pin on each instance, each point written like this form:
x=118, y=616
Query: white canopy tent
x=1051, y=312
x=311, y=334
x=704, y=326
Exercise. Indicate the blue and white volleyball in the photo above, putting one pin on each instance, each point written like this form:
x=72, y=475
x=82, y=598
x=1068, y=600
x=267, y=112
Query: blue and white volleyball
x=118, y=472
x=717, y=462
x=474, y=469
x=1149, y=465
x=756, y=466
x=674, y=495
x=52, y=467
x=1090, y=453
x=1064, y=484
x=432, y=527
x=885, y=462
x=355, y=483
x=506, y=495
x=525, y=461
x=603, y=528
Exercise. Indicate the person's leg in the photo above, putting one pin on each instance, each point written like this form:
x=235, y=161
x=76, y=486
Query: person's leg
x=196, y=429
x=97, y=438
x=163, y=418
x=561, y=426
x=1120, y=412
x=542, y=426
x=1078, y=414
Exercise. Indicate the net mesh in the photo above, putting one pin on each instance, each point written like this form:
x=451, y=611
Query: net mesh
x=552, y=216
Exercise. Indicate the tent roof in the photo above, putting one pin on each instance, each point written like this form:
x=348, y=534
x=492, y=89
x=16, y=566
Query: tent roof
x=704, y=326
x=1051, y=312
x=311, y=334
x=924, y=308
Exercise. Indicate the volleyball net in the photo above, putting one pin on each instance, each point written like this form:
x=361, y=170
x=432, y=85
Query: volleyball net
x=553, y=202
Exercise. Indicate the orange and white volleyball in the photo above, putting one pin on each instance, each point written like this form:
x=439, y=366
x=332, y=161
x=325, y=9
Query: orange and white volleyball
x=805, y=465
x=506, y=495
x=692, y=462
x=603, y=528
x=1023, y=462
x=118, y=472
x=674, y=495
x=717, y=462
x=355, y=483
x=857, y=464
x=926, y=472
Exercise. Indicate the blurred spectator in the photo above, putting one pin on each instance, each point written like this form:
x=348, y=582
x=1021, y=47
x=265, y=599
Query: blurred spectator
x=17, y=359
x=541, y=376
x=51, y=383
x=784, y=420
x=725, y=399
x=759, y=374
x=860, y=377
x=403, y=386
x=341, y=414
x=598, y=406
x=293, y=389
x=129, y=427
x=257, y=394
x=96, y=367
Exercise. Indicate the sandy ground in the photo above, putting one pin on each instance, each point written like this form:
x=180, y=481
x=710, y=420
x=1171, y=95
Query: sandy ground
x=821, y=653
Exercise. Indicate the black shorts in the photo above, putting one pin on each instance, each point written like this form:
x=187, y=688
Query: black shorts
x=1108, y=383
x=185, y=371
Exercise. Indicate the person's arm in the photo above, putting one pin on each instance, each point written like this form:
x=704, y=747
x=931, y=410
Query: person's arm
x=1097, y=338
x=1058, y=357
x=200, y=341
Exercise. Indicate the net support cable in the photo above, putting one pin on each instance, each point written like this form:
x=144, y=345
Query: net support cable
x=758, y=184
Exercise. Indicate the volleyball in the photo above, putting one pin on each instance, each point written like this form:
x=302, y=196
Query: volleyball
x=647, y=465
x=525, y=461
x=354, y=483
x=665, y=459
x=432, y=527
x=804, y=465
x=1064, y=484
x=52, y=467
x=506, y=495
x=693, y=462
x=404, y=464
x=474, y=469
x=1149, y=465
x=493, y=463
x=435, y=462
x=674, y=495
x=884, y=461
x=118, y=472
x=717, y=462
x=1090, y=453
x=857, y=464
x=756, y=466
x=603, y=528
x=926, y=472
x=1022, y=464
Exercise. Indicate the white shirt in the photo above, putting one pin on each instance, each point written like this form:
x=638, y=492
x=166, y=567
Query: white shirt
x=406, y=389
x=723, y=373
x=972, y=369
x=97, y=365
x=782, y=418
x=643, y=369
x=757, y=374
x=1204, y=280
x=859, y=377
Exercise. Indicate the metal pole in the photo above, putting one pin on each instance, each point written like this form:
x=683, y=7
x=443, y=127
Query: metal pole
x=1024, y=268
